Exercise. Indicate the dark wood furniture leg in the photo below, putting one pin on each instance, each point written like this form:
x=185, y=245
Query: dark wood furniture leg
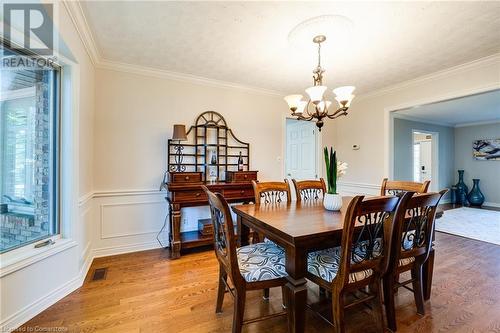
x=428, y=270
x=175, y=242
x=296, y=266
x=243, y=232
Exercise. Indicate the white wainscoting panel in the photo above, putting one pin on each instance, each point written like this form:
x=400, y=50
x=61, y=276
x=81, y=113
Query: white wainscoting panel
x=352, y=188
x=128, y=221
x=124, y=219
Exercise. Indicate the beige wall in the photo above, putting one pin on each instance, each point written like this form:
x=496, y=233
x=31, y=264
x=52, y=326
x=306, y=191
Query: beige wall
x=368, y=125
x=134, y=119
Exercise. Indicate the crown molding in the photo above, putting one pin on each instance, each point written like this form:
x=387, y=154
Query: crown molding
x=422, y=120
x=189, y=78
x=82, y=27
x=486, y=61
x=77, y=16
x=478, y=123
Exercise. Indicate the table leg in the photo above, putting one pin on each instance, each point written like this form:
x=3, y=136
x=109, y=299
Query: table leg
x=243, y=232
x=428, y=270
x=296, y=289
x=175, y=242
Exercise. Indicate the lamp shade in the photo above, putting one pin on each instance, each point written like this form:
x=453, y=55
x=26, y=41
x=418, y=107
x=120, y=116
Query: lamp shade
x=301, y=106
x=293, y=101
x=316, y=93
x=344, y=95
x=179, y=133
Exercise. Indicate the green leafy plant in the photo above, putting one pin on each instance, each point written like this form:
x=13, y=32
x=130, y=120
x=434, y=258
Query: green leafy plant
x=331, y=170
x=334, y=170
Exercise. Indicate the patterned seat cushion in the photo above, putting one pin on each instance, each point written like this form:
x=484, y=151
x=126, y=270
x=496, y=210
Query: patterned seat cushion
x=261, y=261
x=325, y=264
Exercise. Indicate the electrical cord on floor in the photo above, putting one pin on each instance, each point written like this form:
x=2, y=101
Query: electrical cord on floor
x=167, y=217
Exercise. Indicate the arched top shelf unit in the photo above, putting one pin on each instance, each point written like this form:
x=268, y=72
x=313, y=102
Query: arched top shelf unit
x=211, y=148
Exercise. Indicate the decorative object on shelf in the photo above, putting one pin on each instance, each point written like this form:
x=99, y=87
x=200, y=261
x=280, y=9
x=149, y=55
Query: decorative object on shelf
x=205, y=227
x=486, y=149
x=475, y=197
x=462, y=189
x=316, y=107
x=240, y=162
x=334, y=170
x=211, y=148
x=213, y=156
x=178, y=135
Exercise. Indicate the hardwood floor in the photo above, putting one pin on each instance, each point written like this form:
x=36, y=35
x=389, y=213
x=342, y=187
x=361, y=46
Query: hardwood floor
x=147, y=292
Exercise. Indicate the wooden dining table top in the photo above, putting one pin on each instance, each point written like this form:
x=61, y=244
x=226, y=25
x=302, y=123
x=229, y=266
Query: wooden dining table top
x=295, y=220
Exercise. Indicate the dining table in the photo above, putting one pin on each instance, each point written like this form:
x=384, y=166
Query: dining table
x=300, y=227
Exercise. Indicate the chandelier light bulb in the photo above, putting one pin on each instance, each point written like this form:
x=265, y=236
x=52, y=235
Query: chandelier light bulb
x=293, y=101
x=344, y=95
x=301, y=107
x=316, y=93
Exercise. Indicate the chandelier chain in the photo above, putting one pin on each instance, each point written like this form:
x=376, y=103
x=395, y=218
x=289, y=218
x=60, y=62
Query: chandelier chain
x=319, y=55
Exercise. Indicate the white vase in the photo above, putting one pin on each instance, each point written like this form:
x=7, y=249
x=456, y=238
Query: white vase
x=332, y=202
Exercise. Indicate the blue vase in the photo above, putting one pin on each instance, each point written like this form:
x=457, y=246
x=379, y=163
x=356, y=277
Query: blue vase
x=476, y=197
x=461, y=189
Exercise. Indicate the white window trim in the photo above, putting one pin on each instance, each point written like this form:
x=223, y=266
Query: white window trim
x=24, y=256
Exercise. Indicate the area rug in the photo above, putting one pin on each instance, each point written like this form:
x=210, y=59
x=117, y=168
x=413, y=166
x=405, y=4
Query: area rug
x=479, y=224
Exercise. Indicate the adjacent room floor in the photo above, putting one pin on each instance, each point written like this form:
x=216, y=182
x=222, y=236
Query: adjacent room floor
x=147, y=292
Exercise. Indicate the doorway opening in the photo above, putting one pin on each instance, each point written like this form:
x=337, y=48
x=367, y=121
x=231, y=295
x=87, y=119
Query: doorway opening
x=425, y=157
x=301, y=149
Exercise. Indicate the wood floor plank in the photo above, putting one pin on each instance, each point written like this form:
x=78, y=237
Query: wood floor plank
x=148, y=292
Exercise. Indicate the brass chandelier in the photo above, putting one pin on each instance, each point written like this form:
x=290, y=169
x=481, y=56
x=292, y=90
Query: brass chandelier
x=316, y=107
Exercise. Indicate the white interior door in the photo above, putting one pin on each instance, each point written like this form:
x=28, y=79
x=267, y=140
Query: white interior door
x=301, y=149
x=425, y=160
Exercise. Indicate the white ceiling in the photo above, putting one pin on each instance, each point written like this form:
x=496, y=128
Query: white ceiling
x=246, y=42
x=459, y=111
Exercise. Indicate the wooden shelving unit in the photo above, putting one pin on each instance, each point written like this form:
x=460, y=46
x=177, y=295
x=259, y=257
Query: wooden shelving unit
x=210, y=135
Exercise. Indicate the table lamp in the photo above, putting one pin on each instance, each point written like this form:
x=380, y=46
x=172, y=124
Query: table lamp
x=179, y=135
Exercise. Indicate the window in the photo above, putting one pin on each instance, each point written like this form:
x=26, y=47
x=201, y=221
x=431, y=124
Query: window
x=29, y=150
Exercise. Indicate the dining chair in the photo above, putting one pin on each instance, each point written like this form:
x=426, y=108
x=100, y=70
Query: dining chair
x=252, y=267
x=412, y=241
x=360, y=261
x=308, y=190
x=271, y=192
x=396, y=187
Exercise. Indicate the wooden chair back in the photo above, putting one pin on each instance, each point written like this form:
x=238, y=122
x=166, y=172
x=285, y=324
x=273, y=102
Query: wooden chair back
x=271, y=192
x=414, y=227
x=396, y=187
x=308, y=190
x=369, y=248
x=223, y=234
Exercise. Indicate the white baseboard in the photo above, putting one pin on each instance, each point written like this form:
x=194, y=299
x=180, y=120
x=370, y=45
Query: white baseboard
x=121, y=249
x=491, y=204
x=31, y=310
